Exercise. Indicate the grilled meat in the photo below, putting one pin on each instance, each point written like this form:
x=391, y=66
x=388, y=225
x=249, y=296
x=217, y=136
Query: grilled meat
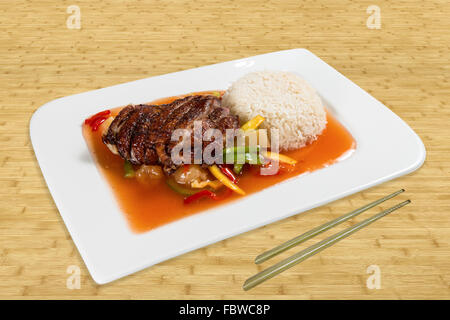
x=142, y=133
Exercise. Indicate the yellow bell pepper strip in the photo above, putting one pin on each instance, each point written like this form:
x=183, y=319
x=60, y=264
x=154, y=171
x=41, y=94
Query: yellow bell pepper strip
x=253, y=123
x=128, y=170
x=214, y=169
x=280, y=157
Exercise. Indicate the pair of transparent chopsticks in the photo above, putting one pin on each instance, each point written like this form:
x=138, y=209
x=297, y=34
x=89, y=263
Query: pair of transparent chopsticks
x=316, y=248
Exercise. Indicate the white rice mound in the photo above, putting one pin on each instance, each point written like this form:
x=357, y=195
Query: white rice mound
x=285, y=100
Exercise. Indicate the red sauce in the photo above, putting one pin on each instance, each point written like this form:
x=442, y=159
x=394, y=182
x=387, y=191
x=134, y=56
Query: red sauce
x=148, y=207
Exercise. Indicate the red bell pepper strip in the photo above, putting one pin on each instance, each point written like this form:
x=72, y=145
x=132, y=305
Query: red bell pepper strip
x=97, y=119
x=199, y=195
x=227, y=171
x=209, y=194
x=96, y=123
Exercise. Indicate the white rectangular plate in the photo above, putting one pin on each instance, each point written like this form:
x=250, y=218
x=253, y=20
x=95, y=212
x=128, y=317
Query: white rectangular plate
x=386, y=148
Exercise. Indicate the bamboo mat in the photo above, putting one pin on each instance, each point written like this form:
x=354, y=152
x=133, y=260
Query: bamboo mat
x=405, y=65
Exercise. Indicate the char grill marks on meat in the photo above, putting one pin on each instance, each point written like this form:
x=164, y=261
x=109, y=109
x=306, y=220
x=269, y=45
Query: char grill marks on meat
x=142, y=133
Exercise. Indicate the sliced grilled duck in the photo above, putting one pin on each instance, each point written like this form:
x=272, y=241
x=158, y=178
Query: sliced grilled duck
x=142, y=133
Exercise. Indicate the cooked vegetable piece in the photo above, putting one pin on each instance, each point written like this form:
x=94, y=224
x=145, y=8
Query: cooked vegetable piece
x=149, y=174
x=216, y=184
x=250, y=154
x=199, y=195
x=97, y=119
x=282, y=168
x=214, y=169
x=209, y=194
x=280, y=157
x=179, y=188
x=97, y=115
x=226, y=171
x=253, y=123
x=237, y=168
x=188, y=174
x=128, y=169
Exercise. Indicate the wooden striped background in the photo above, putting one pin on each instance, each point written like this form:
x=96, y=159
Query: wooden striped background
x=405, y=65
